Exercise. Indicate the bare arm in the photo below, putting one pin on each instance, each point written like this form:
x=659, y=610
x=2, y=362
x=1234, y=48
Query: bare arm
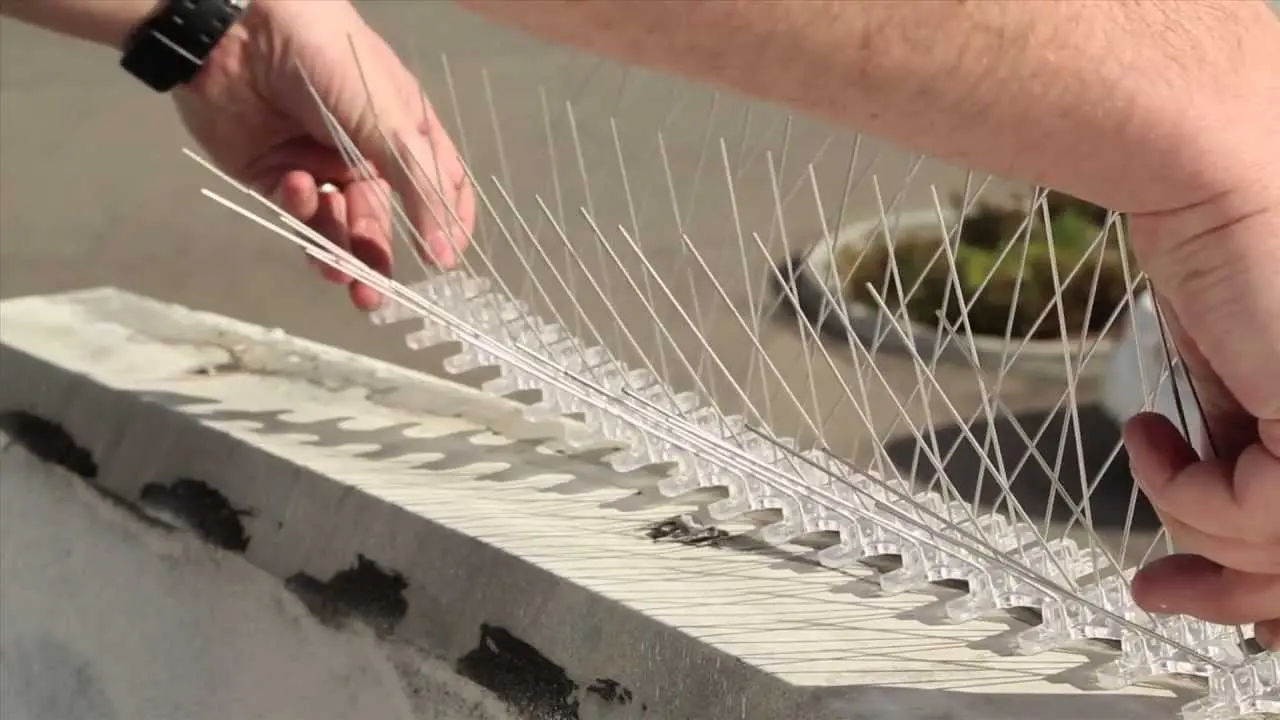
x=1088, y=97
x=105, y=22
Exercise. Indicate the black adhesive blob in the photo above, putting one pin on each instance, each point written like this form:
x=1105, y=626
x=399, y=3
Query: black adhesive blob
x=801, y=295
x=365, y=591
x=521, y=676
x=681, y=529
x=205, y=510
x=50, y=442
x=610, y=691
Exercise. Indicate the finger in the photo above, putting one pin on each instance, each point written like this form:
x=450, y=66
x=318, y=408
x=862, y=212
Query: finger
x=324, y=164
x=1217, y=497
x=369, y=225
x=431, y=204
x=1192, y=585
x=459, y=224
x=456, y=227
x=1227, y=427
x=297, y=194
x=466, y=210
x=1235, y=553
x=1267, y=633
x=331, y=222
x=409, y=164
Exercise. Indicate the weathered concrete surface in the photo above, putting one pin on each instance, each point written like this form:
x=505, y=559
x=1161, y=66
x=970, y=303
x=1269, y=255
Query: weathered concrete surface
x=109, y=617
x=398, y=503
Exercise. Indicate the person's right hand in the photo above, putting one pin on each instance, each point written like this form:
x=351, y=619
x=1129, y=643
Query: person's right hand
x=254, y=114
x=1216, y=269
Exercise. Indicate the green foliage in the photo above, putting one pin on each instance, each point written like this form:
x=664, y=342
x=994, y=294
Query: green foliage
x=1009, y=273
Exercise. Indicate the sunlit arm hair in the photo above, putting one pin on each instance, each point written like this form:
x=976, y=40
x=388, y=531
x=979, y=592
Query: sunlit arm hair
x=1083, y=96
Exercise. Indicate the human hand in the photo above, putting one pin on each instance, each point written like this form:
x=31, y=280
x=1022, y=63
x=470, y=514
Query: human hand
x=1216, y=268
x=253, y=113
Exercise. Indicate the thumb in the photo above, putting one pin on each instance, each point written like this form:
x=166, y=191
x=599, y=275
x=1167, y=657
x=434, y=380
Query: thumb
x=1227, y=426
x=1221, y=288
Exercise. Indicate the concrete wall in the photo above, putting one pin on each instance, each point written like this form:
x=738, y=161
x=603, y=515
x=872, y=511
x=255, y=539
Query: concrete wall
x=107, y=616
x=247, y=526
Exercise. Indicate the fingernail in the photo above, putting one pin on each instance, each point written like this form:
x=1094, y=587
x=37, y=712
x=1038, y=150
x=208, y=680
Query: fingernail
x=440, y=247
x=365, y=298
x=1267, y=636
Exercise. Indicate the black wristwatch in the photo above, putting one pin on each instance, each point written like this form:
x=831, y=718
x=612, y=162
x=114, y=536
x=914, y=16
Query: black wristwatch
x=171, y=46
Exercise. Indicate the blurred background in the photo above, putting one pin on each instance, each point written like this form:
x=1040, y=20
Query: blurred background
x=95, y=191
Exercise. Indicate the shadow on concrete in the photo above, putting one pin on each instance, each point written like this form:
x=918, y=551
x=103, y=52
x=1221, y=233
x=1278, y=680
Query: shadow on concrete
x=1096, y=463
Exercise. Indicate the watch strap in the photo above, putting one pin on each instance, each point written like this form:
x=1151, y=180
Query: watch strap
x=171, y=46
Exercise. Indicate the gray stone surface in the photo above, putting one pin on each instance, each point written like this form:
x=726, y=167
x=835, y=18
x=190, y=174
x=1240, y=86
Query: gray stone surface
x=109, y=617
x=389, y=502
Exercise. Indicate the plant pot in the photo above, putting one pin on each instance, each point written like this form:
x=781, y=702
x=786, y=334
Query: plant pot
x=815, y=286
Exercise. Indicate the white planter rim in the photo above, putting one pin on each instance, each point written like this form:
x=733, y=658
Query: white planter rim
x=817, y=264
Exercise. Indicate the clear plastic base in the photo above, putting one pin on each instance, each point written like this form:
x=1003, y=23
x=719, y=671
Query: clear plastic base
x=1066, y=621
x=995, y=589
x=1250, y=690
x=937, y=564
x=815, y=493
x=1145, y=656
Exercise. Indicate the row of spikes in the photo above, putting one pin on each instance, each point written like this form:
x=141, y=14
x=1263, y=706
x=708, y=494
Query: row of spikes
x=1100, y=610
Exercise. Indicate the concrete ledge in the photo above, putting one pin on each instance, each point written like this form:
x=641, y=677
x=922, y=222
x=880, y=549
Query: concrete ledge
x=432, y=516
x=110, y=616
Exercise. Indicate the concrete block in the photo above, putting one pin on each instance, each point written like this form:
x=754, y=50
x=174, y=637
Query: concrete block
x=109, y=614
x=224, y=518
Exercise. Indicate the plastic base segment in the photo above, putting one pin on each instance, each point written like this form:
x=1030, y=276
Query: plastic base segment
x=997, y=589
x=1250, y=690
x=936, y=564
x=1144, y=657
x=816, y=493
x=1066, y=621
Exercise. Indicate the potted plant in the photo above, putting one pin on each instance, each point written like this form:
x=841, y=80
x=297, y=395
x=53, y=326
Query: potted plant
x=1008, y=280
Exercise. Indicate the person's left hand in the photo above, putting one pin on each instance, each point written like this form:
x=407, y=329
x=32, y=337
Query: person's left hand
x=1224, y=516
x=253, y=113
x=1223, y=510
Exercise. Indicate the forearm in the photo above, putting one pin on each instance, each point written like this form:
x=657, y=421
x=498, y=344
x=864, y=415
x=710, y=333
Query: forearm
x=1081, y=96
x=105, y=22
